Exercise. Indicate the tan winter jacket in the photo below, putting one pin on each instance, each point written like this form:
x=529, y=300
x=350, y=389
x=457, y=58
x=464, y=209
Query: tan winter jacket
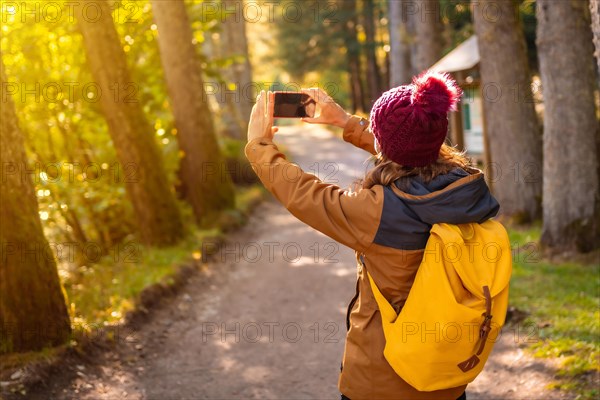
x=388, y=228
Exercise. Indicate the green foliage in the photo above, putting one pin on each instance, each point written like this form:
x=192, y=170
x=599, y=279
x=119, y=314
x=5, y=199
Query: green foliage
x=563, y=301
x=307, y=40
x=65, y=135
x=312, y=43
x=457, y=21
x=79, y=182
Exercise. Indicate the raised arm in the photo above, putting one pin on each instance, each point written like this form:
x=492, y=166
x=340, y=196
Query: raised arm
x=342, y=215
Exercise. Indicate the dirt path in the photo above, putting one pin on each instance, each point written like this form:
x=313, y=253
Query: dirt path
x=267, y=320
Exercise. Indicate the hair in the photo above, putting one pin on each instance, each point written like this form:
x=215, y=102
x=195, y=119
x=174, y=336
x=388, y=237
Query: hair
x=387, y=171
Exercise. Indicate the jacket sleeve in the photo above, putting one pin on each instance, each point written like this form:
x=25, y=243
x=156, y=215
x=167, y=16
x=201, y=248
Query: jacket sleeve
x=351, y=218
x=358, y=133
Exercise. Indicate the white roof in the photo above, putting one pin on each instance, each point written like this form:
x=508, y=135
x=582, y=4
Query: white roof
x=464, y=56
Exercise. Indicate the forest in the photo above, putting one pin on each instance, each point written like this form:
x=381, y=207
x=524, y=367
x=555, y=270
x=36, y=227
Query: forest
x=123, y=126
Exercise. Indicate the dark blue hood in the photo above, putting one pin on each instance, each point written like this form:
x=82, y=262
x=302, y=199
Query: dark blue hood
x=412, y=206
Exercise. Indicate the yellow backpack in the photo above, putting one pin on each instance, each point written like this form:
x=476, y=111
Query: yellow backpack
x=455, y=309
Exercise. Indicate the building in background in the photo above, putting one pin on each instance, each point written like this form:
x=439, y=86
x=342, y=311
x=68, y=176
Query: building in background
x=467, y=124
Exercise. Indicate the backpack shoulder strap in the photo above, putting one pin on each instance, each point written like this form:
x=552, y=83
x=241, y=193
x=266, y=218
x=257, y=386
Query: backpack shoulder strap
x=388, y=314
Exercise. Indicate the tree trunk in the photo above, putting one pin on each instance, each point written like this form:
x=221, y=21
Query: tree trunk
x=428, y=30
x=400, y=63
x=410, y=11
x=571, y=188
x=33, y=313
x=356, y=85
x=234, y=43
x=373, y=72
x=208, y=187
x=353, y=55
x=158, y=217
x=595, y=11
x=386, y=77
x=512, y=126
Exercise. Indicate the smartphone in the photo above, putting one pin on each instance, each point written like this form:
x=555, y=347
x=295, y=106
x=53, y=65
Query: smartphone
x=293, y=105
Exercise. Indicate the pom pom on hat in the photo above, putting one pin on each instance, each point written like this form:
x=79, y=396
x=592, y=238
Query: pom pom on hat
x=410, y=122
x=435, y=92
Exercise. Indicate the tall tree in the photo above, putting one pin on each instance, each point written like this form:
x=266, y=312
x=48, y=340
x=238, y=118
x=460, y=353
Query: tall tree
x=400, y=62
x=373, y=72
x=428, y=30
x=595, y=11
x=512, y=127
x=207, y=185
x=33, y=313
x=571, y=184
x=348, y=17
x=158, y=217
x=234, y=45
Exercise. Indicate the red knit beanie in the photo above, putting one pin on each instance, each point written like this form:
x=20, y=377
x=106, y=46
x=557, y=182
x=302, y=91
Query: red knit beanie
x=410, y=122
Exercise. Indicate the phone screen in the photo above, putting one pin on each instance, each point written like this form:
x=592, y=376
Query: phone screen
x=293, y=105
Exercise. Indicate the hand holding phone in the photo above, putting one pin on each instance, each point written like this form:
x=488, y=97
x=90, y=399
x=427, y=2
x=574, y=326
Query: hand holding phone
x=294, y=105
x=261, y=118
x=330, y=112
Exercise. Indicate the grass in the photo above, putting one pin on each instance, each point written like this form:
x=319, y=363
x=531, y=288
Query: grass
x=563, y=302
x=102, y=294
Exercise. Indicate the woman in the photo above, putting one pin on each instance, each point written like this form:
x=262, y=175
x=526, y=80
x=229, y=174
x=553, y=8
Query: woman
x=417, y=181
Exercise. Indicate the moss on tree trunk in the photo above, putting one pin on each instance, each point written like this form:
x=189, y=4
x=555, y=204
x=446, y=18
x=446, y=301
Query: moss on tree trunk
x=33, y=313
